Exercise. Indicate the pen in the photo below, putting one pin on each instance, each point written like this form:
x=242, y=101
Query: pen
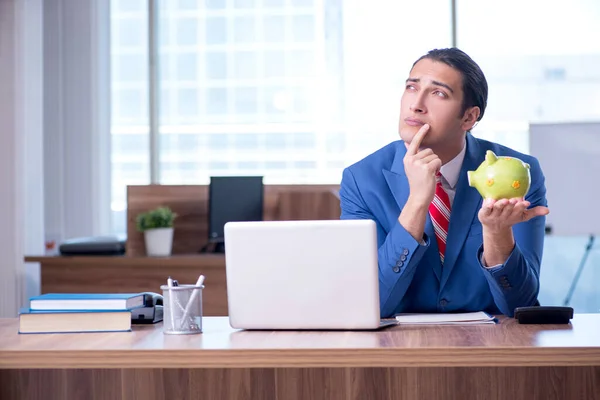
x=171, y=310
x=175, y=284
x=190, y=302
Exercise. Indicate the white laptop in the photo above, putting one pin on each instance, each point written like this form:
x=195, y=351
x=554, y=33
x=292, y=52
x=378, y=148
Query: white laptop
x=303, y=275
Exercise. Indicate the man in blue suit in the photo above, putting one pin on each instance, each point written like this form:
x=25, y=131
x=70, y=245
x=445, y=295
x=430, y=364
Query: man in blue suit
x=488, y=255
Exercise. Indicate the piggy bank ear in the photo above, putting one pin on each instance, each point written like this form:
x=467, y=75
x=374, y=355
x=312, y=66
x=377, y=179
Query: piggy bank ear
x=490, y=157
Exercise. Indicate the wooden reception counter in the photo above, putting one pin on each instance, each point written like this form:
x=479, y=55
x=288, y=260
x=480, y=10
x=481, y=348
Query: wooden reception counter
x=130, y=274
x=504, y=361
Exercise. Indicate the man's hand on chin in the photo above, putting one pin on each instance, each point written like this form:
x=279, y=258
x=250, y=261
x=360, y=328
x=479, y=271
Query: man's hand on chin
x=497, y=218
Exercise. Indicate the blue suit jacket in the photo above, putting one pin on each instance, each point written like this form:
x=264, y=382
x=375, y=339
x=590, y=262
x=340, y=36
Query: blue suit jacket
x=411, y=277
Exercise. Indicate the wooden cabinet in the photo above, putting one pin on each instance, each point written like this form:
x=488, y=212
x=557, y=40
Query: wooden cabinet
x=124, y=274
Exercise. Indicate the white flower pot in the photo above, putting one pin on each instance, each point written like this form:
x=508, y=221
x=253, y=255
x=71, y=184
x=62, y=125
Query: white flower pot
x=159, y=241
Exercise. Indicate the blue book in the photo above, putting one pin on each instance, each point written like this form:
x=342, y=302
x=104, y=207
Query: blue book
x=87, y=301
x=74, y=321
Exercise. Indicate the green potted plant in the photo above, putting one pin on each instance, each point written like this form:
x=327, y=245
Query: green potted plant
x=157, y=227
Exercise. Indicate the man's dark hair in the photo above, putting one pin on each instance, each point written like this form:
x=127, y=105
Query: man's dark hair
x=474, y=84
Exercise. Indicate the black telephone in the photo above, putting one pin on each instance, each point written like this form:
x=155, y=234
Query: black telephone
x=543, y=315
x=151, y=312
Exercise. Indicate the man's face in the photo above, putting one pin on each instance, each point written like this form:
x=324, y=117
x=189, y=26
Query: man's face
x=433, y=95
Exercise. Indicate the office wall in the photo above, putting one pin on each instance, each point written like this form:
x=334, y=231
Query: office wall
x=21, y=154
x=76, y=118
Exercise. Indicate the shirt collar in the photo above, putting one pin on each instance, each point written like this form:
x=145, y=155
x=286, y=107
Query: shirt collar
x=451, y=170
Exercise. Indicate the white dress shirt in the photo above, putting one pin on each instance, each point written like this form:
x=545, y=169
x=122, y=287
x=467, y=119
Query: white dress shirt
x=450, y=173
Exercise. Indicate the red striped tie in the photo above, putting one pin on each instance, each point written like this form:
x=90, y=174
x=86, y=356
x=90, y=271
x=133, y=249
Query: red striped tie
x=439, y=209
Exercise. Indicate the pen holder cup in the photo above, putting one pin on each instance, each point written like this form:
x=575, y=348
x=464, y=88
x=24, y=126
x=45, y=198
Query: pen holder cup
x=182, y=309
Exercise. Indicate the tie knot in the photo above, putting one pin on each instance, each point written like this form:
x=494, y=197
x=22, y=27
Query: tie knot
x=438, y=177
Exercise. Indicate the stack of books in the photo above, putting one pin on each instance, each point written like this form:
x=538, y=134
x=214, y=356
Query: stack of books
x=75, y=312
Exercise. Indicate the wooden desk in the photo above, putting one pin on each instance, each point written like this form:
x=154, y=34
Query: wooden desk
x=505, y=361
x=125, y=274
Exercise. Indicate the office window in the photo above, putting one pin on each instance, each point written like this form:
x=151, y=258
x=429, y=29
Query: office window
x=130, y=159
x=548, y=76
x=293, y=89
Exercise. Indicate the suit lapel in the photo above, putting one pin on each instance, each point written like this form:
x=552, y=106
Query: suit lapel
x=398, y=184
x=396, y=176
x=465, y=206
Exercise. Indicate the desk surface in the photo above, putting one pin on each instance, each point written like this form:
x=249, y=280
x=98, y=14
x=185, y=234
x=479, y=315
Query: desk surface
x=220, y=346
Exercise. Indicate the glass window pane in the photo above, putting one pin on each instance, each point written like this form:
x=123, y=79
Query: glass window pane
x=186, y=4
x=129, y=5
x=274, y=29
x=172, y=144
x=301, y=63
x=187, y=67
x=216, y=65
x=215, y=4
x=303, y=27
x=305, y=165
x=274, y=3
x=188, y=102
x=244, y=3
x=245, y=65
x=131, y=32
x=166, y=106
x=275, y=141
x=218, y=141
x=129, y=145
x=216, y=102
x=276, y=165
x=274, y=64
x=303, y=140
x=246, y=99
x=216, y=30
x=245, y=141
x=130, y=104
x=187, y=31
x=217, y=167
x=244, y=29
x=302, y=100
x=248, y=165
x=130, y=68
x=302, y=3
x=277, y=100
